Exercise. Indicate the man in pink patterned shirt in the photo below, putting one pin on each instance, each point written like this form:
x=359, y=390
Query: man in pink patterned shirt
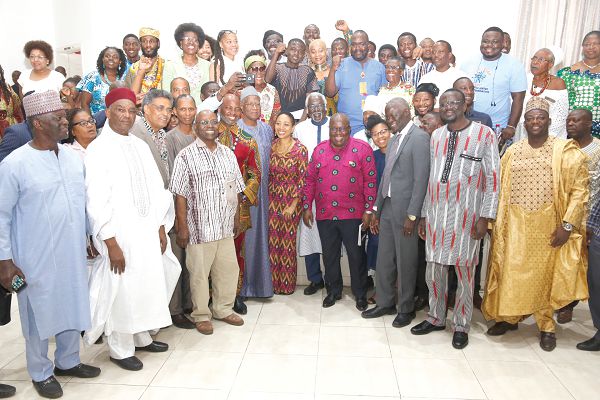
x=341, y=179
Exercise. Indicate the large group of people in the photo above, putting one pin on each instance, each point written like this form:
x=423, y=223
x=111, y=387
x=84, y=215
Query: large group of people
x=154, y=192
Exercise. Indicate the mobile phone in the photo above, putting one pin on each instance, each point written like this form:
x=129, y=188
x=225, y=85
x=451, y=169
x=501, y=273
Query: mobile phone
x=249, y=78
x=18, y=283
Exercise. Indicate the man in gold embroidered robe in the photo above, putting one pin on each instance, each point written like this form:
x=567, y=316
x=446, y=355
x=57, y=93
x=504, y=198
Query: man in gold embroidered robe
x=537, y=263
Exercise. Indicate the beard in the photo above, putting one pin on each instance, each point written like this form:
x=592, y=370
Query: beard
x=152, y=54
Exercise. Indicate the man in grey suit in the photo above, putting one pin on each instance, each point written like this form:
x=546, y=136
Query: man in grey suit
x=398, y=207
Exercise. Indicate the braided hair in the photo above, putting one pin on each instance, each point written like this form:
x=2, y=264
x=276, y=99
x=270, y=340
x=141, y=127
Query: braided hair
x=121, y=70
x=4, y=87
x=218, y=55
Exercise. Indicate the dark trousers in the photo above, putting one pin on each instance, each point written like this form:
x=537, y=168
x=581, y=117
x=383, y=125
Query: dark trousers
x=333, y=234
x=593, y=276
x=421, y=290
x=313, y=267
x=182, y=296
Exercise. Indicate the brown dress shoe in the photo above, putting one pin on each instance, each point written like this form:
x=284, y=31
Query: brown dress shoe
x=204, y=327
x=564, y=315
x=232, y=319
x=547, y=341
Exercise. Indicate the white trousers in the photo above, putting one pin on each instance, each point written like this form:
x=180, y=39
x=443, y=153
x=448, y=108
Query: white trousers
x=122, y=345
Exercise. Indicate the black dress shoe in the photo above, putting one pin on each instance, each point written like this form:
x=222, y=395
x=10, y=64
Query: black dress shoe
x=155, y=347
x=7, y=391
x=592, y=344
x=330, y=299
x=78, y=371
x=460, y=340
x=421, y=303
x=314, y=288
x=425, y=327
x=48, y=388
x=130, y=363
x=181, y=321
x=403, y=319
x=377, y=312
x=547, y=341
x=239, y=306
x=500, y=328
x=362, y=304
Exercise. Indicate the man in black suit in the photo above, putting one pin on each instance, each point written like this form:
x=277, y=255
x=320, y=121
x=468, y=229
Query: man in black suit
x=399, y=200
x=15, y=136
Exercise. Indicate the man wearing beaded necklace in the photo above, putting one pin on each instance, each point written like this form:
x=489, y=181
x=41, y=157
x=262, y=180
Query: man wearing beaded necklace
x=147, y=72
x=462, y=198
x=245, y=149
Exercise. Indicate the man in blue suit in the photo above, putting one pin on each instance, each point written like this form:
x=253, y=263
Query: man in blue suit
x=15, y=136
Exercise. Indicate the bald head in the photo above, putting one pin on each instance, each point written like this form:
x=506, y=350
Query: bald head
x=397, y=114
x=230, y=109
x=339, y=130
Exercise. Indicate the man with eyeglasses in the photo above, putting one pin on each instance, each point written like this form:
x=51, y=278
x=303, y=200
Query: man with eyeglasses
x=146, y=73
x=462, y=196
x=130, y=213
x=397, y=210
x=310, y=133
x=354, y=78
x=207, y=184
x=341, y=180
x=157, y=108
x=500, y=82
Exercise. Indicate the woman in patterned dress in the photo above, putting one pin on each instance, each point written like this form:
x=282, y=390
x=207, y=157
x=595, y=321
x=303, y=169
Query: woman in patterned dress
x=583, y=80
x=287, y=169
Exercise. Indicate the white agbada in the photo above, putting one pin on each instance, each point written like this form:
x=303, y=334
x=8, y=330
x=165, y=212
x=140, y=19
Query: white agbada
x=309, y=241
x=126, y=199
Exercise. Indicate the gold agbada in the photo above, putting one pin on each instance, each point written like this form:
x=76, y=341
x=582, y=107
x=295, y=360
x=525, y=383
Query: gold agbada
x=522, y=280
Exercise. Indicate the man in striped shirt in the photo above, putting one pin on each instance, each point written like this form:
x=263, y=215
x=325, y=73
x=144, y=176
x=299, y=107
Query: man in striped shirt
x=207, y=183
x=462, y=196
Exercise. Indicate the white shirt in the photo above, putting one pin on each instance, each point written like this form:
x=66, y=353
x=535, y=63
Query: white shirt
x=443, y=80
x=54, y=82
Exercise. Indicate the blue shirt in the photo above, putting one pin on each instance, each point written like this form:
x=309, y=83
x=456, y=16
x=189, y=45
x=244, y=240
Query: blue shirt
x=348, y=77
x=494, y=82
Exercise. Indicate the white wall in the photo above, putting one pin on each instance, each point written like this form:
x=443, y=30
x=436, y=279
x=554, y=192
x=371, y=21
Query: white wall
x=95, y=25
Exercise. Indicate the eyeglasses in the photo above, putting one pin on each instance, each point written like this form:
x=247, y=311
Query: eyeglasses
x=315, y=107
x=258, y=69
x=539, y=59
x=451, y=104
x=225, y=32
x=37, y=57
x=207, y=122
x=86, y=123
x=380, y=133
x=337, y=130
x=393, y=67
x=188, y=40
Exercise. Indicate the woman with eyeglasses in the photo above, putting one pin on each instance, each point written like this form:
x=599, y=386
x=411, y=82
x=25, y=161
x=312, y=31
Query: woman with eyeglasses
x=394, y=68
x=225, y=63
x=190, y=38
x=317, y=55
x=287, y=169
x=111, y=66
x=255, y=63
x=82, y=130
x=41, y=77
x=546, y=86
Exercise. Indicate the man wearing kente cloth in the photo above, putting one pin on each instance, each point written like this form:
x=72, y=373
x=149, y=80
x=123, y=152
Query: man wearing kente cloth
x=537, y=257
x=245, y=149
x=147, y=72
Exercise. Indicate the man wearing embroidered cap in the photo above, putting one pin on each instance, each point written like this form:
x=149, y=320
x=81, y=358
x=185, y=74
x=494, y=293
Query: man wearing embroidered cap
x=130, y=212
x=147, y=72
x=42, y=241
x=536, y=264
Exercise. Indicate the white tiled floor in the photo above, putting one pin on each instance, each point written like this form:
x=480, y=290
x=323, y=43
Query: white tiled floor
x=292, y=349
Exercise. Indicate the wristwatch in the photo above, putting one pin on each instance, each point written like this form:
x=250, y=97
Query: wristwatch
x=567, y=226
x=412, y=217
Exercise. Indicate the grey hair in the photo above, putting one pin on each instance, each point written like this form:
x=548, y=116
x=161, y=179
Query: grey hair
x=315, y=94
x=552, y=59
x=156, y=94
